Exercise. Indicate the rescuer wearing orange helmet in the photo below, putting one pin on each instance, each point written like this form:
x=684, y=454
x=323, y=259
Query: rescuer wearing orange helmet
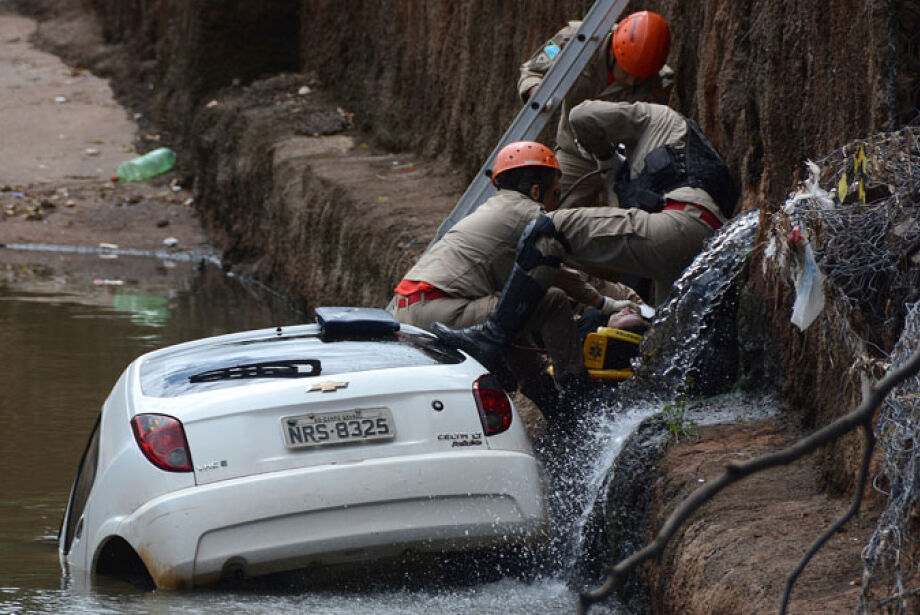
x=459, y=279
x=628, y=66
x=676, y=194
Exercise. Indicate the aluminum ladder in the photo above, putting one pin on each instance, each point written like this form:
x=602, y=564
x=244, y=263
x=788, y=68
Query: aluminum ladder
x=546, y=99
x=533, y=116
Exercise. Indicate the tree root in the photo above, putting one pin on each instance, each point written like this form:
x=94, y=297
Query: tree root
x=860, y=417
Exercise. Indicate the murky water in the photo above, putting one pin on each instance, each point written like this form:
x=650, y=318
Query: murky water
x=69, y=324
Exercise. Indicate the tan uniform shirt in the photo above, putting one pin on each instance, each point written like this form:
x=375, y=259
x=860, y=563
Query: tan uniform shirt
x=641, y=127
x=591, y=84
x=475, y=257
x=472, y=262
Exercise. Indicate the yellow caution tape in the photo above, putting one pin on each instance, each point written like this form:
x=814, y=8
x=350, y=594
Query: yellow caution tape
x=859, y=173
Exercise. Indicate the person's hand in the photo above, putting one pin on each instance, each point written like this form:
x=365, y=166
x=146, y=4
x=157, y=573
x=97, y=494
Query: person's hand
x=610, y=167
x=610, y=306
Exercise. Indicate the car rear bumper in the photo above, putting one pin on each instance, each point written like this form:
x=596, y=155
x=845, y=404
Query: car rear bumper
x=339, y=513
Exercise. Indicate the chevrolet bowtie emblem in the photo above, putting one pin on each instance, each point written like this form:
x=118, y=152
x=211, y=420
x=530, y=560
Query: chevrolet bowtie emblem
x=327, y=387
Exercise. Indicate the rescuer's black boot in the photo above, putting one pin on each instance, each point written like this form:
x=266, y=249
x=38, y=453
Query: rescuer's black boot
x=488, y=341
x=485, y=342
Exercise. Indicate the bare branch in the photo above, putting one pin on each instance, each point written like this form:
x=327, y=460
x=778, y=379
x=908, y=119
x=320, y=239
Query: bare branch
x=898, y=596
x=857, y=499
x=735, y=472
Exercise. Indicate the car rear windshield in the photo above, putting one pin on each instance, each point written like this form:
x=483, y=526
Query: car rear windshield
x=230, y=363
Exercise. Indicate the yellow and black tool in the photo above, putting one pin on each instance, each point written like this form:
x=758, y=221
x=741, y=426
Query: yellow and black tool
x=608, y=351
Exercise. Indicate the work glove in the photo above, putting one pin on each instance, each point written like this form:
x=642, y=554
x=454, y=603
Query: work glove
x=610, y=306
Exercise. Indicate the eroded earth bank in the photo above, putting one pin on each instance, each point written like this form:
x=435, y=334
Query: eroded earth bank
x=323, y=147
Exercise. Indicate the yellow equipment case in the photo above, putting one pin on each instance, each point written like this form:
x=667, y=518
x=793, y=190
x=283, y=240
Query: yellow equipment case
x=608, y=351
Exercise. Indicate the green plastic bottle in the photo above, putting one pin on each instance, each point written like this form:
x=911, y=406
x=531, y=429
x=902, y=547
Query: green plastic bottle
x=144, y=167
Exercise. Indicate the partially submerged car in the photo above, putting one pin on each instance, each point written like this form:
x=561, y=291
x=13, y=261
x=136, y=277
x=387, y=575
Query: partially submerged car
x=348, y=440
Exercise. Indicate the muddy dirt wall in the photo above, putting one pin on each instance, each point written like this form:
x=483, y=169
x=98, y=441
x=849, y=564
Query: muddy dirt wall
x=176, y=53
x=759, y=75
x=439, y=77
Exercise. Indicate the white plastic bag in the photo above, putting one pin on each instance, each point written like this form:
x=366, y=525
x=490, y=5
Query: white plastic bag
x=809, y=286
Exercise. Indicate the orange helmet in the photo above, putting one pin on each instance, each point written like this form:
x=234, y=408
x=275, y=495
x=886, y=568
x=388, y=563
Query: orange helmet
x=523, y=154
x=641, y=43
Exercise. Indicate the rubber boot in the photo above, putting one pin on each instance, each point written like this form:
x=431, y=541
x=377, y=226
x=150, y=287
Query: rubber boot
x=487, y=342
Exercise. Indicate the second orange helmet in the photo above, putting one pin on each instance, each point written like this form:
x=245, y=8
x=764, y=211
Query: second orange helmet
x=523, y=154
x=641, y=44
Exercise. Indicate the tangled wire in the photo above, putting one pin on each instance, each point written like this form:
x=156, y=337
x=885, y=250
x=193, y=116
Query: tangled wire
x=871, y=250
x=868, y=245
x=889, y=557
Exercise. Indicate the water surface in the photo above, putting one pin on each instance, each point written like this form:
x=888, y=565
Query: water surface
x=69, y=324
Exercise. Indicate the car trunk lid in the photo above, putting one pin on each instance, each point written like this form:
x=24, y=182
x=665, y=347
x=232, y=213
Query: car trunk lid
x=273, y=427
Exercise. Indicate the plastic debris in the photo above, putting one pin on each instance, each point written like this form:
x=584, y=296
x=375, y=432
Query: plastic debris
x=108, y=246
x=149, y=165
x=170, y=242
x=809, y=189
x=809, y=287
x=809, y=281
x=345, y=115
x=105, y=282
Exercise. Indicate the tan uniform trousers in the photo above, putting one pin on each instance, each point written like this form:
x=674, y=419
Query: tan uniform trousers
x=553, y=320
x=606, y=241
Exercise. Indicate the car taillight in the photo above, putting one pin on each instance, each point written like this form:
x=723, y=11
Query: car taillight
x=493, y=403
x=162, y=440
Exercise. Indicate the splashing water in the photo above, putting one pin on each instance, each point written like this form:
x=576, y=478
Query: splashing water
x=698, y=316
x=579, y=472
x=583, y=467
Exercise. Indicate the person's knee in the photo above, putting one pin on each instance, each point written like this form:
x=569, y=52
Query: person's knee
x=541, y=245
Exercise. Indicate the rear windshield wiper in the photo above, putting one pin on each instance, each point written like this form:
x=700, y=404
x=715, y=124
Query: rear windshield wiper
x=295, y=368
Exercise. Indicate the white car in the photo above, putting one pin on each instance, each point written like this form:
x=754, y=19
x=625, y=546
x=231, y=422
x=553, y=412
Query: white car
x=348, y=440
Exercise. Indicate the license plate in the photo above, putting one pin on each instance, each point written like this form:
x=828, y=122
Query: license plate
x=322, y=428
